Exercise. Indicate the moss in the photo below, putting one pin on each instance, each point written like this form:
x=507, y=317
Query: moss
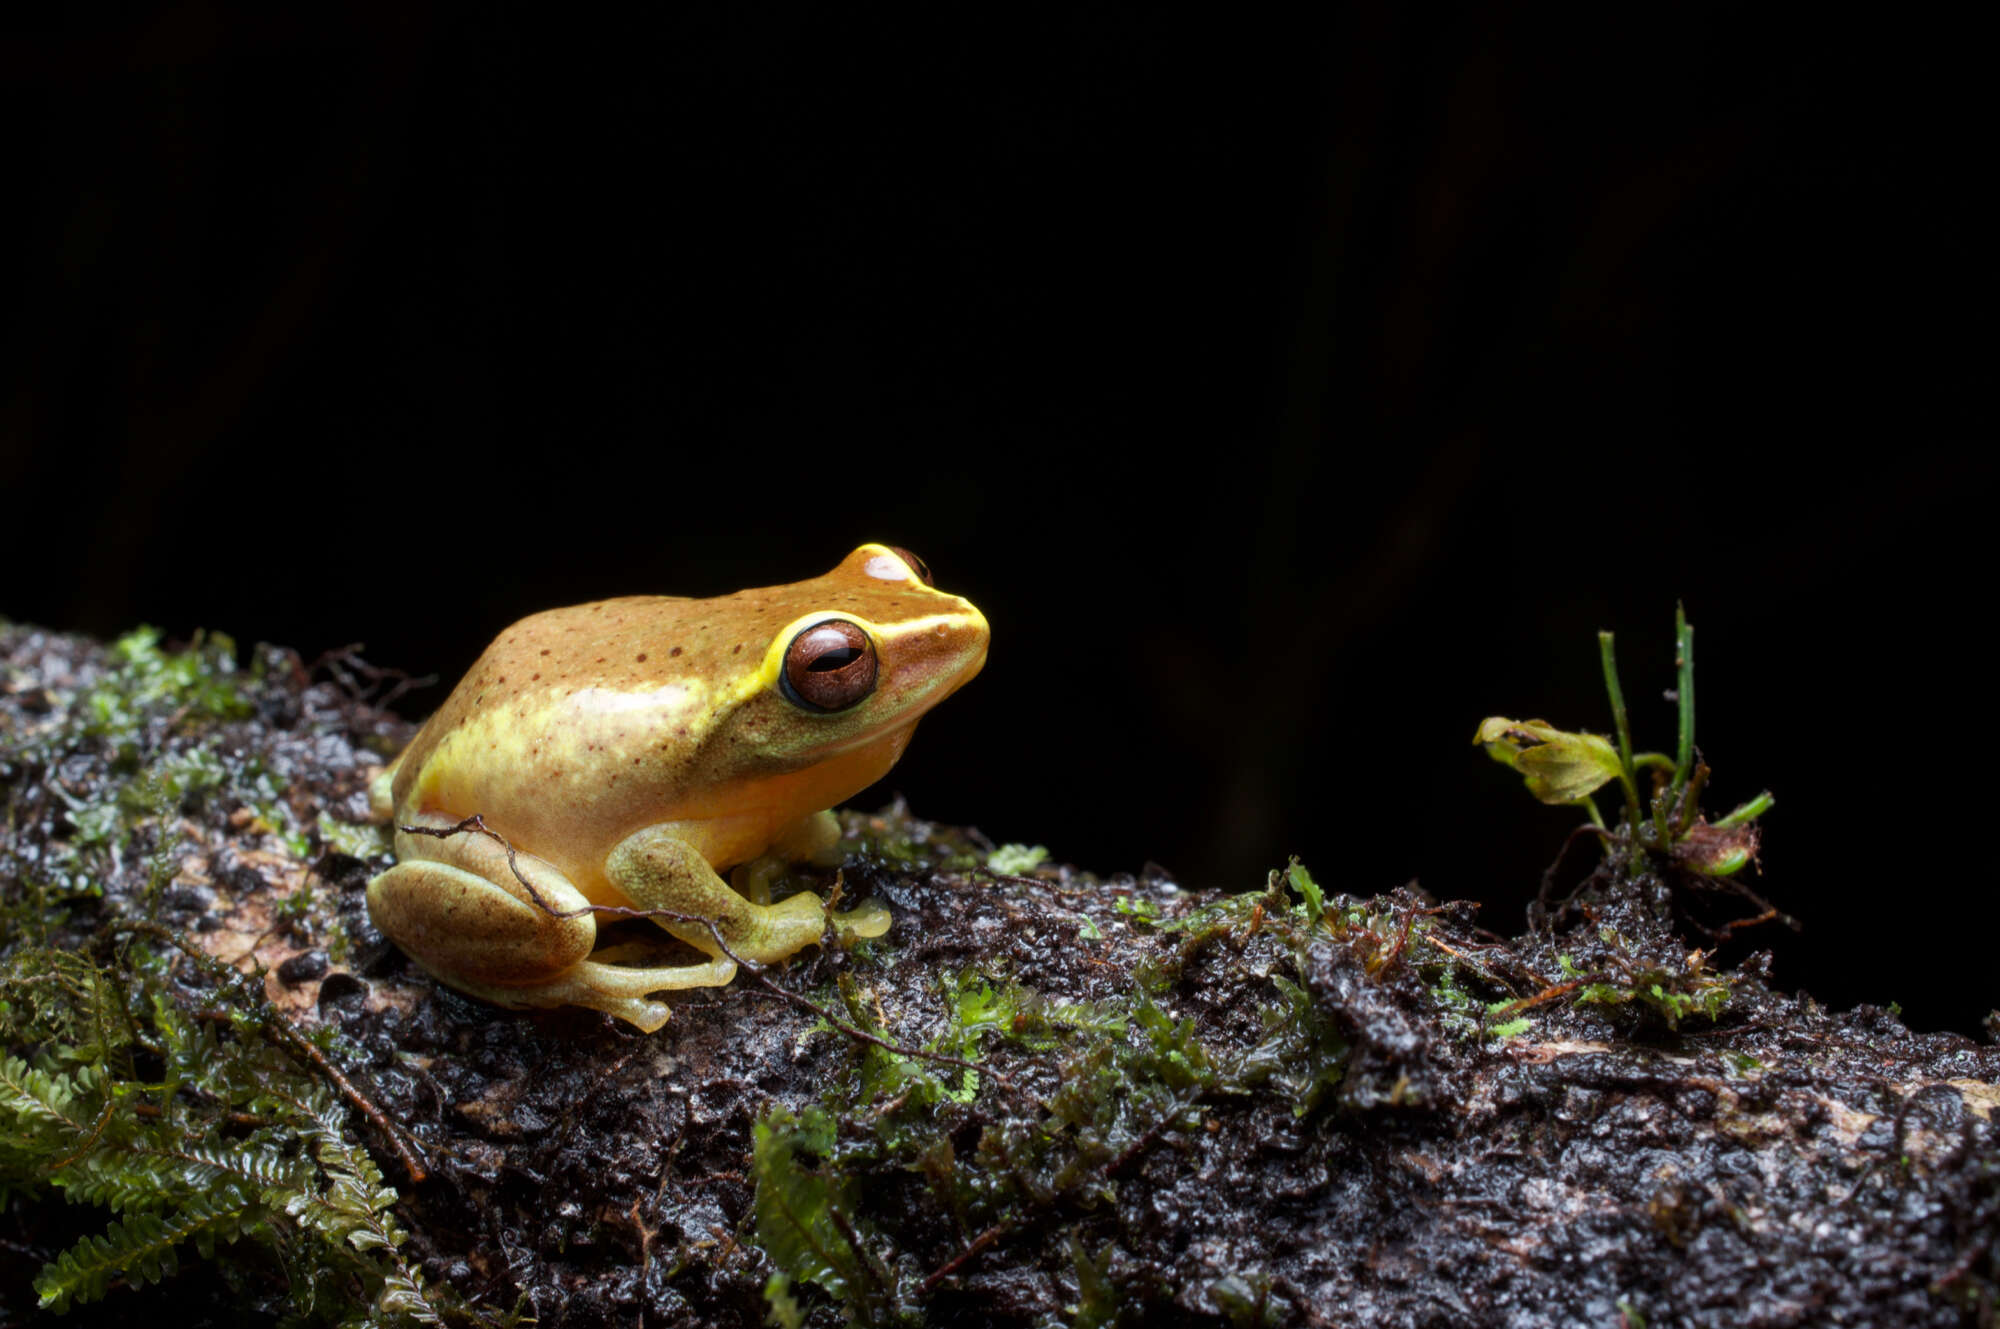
x=190, y=1126
x=805, y=1208
x=893, y=836
x=1670, y=993
x=138, y=1077
x=1469, y=1017
x=1079, y=1092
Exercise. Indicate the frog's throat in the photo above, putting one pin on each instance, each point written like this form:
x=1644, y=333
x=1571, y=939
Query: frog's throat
x=779, y=798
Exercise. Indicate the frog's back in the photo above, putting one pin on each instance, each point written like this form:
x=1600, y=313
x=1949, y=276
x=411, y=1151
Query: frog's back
x=557, y=683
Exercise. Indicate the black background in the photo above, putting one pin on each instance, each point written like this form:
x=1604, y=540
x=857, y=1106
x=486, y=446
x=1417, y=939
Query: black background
x=1290, y=394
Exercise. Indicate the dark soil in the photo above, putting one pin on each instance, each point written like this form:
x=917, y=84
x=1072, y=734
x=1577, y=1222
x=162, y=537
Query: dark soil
x=1187, y=1110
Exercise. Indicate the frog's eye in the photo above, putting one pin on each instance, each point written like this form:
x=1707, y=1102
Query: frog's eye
x=917, y=565
x=829, y=667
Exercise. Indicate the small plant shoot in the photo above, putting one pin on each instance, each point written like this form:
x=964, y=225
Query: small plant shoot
x=1663, y=829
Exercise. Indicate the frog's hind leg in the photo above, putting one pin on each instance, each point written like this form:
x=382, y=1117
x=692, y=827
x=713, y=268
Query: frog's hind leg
x=465, y=913
x=516, y=934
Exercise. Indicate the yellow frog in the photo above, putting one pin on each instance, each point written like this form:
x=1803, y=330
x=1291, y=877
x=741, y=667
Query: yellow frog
x=627, y=750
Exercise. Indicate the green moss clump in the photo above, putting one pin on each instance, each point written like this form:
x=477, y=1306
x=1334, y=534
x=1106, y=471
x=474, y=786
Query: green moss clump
x=192, y=1126
x=1670, y=994
x=139, y=1076
x=1078, y=1092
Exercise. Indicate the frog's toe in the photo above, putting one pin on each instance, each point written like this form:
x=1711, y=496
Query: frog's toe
x=615, y=989
x=868, y=919
x=649, y=1016
x=622, y=991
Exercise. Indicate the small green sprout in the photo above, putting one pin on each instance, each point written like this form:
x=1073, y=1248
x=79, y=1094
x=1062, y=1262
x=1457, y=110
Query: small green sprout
x=1309, y=891
x=1566, y=767
x=1016, y=859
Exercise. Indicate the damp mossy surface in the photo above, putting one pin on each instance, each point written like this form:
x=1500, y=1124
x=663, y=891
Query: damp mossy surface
x=1082, y=1100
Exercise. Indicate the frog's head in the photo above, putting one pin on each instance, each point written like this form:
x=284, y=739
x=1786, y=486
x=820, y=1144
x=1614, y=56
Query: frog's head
x=872, y=645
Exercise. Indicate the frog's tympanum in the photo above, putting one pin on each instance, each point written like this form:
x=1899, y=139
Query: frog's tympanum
x=629, y=750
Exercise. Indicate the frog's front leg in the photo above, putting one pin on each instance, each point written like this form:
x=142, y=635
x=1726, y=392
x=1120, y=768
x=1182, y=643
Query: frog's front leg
x=516, y=934
x=658, y=868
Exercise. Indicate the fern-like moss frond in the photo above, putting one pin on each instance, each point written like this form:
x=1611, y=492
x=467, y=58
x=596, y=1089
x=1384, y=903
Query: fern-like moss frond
x=141, y=1248
x=36, y=1101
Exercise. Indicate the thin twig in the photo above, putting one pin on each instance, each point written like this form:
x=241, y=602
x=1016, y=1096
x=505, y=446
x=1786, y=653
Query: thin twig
x=1546, y=994
x=1403, y=941
x=1470, y=961
x=957, y=1262
x=1549, y=873
x=341, y=659
x=1752, y=922
x=1690, y=802
x=235, y=1118
x=1014, y=877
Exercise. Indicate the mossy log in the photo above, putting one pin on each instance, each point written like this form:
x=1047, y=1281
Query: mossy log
x=1044, y=1098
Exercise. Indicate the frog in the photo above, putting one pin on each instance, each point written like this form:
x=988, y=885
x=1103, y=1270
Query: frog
x=615, y=759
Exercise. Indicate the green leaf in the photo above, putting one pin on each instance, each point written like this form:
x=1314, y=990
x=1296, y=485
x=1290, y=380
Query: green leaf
x=1559, y=766
x=37, y=1098
x=795, y=1201
x=785, y=1312
x=1309, y=891
x=1096, y=1296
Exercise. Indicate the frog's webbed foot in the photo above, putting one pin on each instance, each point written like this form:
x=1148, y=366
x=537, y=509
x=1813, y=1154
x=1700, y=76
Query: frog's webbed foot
x=870, y=918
